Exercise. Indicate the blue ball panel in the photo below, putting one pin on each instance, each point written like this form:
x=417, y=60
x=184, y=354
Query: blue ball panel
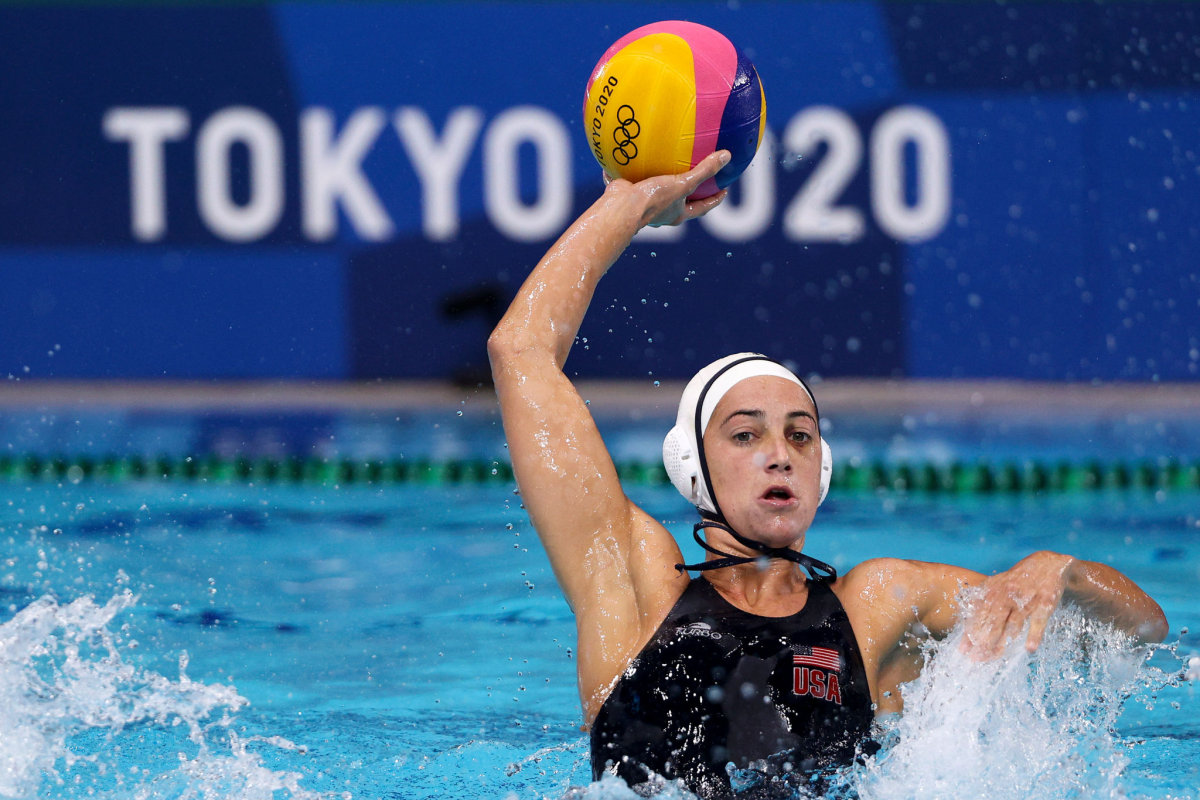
x=739, y=123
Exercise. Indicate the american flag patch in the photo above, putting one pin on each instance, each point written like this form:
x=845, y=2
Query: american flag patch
x=823, y=657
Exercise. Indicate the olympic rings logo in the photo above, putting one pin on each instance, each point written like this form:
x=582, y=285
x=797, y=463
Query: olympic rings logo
x=628, y=130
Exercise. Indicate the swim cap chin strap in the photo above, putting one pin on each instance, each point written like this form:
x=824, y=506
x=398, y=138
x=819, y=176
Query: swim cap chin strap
x=817, y=570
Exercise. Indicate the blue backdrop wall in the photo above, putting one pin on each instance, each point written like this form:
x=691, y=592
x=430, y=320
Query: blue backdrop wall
x=356, y=191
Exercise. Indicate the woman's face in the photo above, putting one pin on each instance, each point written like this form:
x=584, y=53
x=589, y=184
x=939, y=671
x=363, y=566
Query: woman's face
x=764, y=458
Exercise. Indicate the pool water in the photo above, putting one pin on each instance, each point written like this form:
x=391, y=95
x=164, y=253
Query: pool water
x=410, y=642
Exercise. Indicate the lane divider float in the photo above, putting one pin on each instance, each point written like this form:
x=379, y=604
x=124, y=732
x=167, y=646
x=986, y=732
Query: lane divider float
x=963, y=477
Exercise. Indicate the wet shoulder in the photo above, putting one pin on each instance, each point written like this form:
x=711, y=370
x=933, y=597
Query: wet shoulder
x=879, y=585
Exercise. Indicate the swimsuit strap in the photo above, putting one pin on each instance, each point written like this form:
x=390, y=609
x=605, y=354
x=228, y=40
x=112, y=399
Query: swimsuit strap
x=817, y=570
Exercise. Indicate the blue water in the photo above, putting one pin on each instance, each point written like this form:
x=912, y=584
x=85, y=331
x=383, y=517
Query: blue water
x=405, y=642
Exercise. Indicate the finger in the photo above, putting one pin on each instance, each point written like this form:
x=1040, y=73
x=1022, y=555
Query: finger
x=974, y=626
x=977, y=642
x=993, y=643
x=969, y=645
x=1012, y=629
x=1037, y=627
x=708, y=167
x=698, y=208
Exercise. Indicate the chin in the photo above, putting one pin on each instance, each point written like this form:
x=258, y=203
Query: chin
x=781, y=540
x=776, y=531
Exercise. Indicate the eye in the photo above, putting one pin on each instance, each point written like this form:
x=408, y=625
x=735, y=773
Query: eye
x=742, y=436
x=801, y=436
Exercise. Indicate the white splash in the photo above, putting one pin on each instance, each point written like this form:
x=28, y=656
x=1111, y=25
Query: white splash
x=62, y=677
x=613, y=788
x=1022, y=726
x=240, y=775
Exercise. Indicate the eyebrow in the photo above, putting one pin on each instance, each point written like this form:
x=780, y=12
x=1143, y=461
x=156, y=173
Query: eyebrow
x=758, y=413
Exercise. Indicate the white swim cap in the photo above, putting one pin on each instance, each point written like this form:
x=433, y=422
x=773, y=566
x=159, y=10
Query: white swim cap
x=682, y=449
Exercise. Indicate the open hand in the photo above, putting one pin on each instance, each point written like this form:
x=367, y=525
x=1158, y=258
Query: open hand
x=1030, y=591
x=664, y=198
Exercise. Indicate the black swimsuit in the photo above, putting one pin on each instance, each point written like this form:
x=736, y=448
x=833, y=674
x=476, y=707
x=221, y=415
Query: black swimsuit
x=782, y=696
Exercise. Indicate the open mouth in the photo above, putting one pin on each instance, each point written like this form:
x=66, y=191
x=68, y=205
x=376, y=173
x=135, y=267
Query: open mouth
x=778, y=493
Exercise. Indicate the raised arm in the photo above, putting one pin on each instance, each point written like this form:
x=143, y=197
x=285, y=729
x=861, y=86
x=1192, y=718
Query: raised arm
x=606, y=553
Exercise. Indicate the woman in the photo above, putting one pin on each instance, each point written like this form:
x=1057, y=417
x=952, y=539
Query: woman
x=755, y=662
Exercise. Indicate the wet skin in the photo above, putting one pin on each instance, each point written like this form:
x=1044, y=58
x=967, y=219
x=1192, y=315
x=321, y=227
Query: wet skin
x=615, y=563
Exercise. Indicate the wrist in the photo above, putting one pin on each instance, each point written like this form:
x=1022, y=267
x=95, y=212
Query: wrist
x=625, y=206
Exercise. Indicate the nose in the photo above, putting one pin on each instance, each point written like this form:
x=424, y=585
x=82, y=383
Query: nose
x=779, y=458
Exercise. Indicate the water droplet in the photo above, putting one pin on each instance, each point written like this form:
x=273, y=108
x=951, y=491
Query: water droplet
x=727, y=255
x=508, y=525
x=458, y=413
x=656, y=383
x=653, y=254
x=643, y=301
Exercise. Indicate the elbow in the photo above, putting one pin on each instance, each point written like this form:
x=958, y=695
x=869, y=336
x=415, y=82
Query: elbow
x=501, y=351
x=507, y=348
x=511, y=343
x=512, y=350
x=499, y=344
x=506, y=343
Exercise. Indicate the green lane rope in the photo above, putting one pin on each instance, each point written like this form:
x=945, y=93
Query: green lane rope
x=967, y=477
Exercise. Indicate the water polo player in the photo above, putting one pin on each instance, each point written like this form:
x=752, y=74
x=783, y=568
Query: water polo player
x=769, y=657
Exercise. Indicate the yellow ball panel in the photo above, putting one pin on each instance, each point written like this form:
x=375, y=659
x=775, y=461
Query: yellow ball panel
x=641, y=113
x=762, y=120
